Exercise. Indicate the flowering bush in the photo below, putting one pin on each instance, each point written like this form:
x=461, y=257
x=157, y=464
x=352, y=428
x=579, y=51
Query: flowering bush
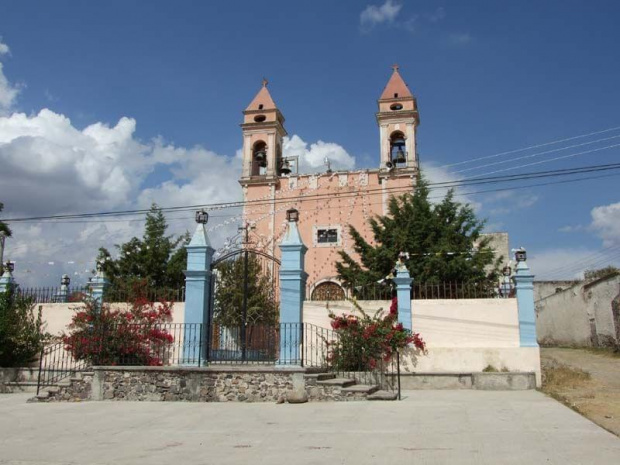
x=135, y=336
x=364, y=342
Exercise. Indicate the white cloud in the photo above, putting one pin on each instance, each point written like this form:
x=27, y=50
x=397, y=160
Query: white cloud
x=8, y=92
x=437, y=174
x=606, y=223
x=311, y=159
x=437, y=15
x=49, y=167
x=460, y=39
x=374, y=15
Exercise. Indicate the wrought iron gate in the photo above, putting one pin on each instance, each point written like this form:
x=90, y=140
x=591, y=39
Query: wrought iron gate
x=244, y=308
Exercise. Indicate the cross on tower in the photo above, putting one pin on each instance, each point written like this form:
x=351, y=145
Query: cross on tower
x=395, y=67
x=265, y=82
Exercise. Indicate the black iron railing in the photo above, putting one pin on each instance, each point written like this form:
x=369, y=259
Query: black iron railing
x=44, y=295
x=56, y=363
x=173, y=344
x=429, y=291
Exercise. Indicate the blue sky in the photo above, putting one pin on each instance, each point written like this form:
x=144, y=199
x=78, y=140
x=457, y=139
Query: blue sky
x=489, y=76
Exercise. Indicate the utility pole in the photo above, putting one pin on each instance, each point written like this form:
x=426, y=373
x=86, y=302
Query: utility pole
x=2, y=239
x=244, y=312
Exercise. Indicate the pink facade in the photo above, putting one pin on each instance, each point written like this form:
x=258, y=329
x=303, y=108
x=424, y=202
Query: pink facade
x=327, y=202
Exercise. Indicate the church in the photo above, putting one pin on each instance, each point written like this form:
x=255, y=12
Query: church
x=328, y=201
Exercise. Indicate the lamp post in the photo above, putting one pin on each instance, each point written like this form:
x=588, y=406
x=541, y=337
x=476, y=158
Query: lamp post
x=63, y=295
x=7, y=281
x=292, y=215
x=202, y=217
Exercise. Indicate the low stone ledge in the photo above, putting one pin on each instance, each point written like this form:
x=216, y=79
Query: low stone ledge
x=207, y=369
x=500, y=381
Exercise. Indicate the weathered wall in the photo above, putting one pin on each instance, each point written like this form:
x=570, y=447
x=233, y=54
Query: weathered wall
x=544, y=289
x=462, y=336
x=57, y=316
x=581, y=315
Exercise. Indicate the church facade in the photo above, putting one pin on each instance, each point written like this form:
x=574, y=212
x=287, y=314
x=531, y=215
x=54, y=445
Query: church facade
x=329, y=201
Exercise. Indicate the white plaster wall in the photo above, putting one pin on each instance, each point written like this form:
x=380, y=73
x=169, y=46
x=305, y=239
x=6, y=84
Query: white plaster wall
x=443, y=323
x=56, y=317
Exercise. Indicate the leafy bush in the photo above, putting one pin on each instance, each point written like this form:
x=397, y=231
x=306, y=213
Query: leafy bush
x=365, y=341
x=133, y=336
x=21, y=338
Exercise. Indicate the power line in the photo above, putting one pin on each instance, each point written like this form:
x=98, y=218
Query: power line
x=551, y=159
x=530, y=147
x=512, y=160
x=318, y=197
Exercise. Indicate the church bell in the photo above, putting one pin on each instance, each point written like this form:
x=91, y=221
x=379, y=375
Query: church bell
x=261, y=158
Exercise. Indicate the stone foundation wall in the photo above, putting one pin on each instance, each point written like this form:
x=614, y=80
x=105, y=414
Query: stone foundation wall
x=195, y=386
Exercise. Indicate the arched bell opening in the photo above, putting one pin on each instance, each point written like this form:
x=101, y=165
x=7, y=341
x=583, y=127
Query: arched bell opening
x=398, y=152
x=259, y=158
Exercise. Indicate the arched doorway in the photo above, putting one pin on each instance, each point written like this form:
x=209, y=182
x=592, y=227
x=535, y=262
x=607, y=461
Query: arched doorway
x=328, y=290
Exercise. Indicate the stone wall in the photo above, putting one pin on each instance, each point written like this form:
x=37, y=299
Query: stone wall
x=190, y=384
x=580, y=316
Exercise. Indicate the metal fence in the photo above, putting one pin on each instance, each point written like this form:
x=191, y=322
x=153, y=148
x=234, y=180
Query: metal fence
x=429, y=291
x=173, y=344
x=44, y=295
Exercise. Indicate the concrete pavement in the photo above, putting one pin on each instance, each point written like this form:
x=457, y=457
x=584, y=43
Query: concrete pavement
x=427, y=427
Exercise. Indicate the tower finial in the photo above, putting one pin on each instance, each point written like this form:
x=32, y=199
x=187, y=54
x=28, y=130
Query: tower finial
x=395, y=67
x=265, y=82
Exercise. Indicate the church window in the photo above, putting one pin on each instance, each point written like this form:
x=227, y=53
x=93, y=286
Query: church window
x=260, y=107
x=260, y=118
x=327, y=236
x=396, y=107
x=395, y=95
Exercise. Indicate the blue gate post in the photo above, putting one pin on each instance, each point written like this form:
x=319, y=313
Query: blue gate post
x=524, y=283
x=98, y=285
x=292, y=291
x=403, y=292
x=197, y=293
x=6, y=280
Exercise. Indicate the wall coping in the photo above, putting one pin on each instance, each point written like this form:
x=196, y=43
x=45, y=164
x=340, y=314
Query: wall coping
x=209, y=369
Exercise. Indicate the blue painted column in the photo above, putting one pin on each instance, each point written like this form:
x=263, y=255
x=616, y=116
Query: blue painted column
x=403, y=292
x=524, y=283
x=98, y=285
x=197, y=296
x=292, y=292
x=6, y=280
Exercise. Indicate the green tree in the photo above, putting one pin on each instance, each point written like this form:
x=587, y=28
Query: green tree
x=157, y=259
x=21, y=338
x=444, y=242
x=6, y=232
x=4, y=229
x=262, y=306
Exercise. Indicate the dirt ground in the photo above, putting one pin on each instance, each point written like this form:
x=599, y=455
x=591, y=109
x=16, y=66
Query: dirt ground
x=597, y=396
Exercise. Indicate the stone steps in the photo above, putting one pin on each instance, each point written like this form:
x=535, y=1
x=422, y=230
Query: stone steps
x=341, y=382
x=361, y=388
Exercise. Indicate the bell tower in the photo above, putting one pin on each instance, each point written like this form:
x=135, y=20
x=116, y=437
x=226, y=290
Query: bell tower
x=263, y=131
x=398, y=120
